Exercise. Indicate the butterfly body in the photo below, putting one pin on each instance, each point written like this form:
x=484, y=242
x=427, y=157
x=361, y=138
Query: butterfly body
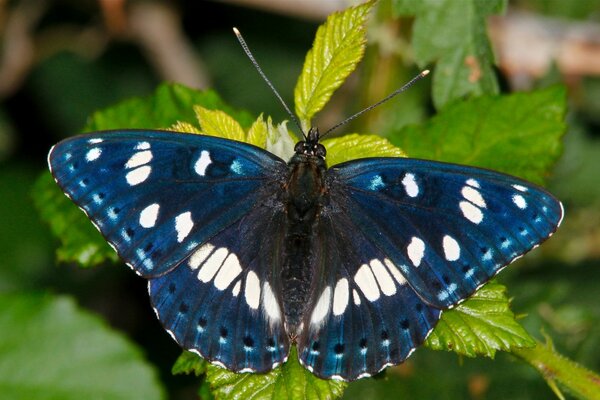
x=246, y=254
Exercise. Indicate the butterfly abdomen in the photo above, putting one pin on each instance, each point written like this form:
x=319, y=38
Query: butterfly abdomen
x=305, y=191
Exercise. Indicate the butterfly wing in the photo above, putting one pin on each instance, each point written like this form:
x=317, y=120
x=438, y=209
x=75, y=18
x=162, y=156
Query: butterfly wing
x=363, y=316
x=183, y=211
x=402, y=239
x=157, y=195
x=224, y=302
x=449, y=228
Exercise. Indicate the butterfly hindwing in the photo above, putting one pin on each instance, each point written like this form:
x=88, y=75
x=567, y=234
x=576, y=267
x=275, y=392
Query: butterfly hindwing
x=156, y=195
x=363, y=316
x=449, y=228
x=224, y=302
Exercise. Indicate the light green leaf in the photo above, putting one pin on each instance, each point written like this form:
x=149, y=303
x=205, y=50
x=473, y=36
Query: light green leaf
x=218, y=123
x=482, y=325
x=257, y=134
x=338, y=47
x=353, y=146
x=291, y=381
x=453, y=33
x=518, y=134
x=184, y=127
x=52, y=350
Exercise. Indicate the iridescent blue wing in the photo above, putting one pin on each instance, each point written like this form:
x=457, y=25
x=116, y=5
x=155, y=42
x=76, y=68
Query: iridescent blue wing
x=181, y=210
x=363, y=316
x=402, y=239
x=449, y=228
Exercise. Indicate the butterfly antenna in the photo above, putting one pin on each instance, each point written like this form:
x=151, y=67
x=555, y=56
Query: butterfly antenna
x=388, y=97
x=260, y=71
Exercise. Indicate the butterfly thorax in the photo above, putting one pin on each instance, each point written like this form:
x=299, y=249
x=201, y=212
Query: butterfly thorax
x=305, y=194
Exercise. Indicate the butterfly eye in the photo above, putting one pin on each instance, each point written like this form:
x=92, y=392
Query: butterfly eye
x=320, y=150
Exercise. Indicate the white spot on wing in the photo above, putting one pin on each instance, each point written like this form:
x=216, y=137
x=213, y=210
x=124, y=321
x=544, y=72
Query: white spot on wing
x=200, y=255
x=212, y=265
x=138, y=175
x=95, y=141
x=366, y=282
x=473, y=196
x=394, y=271
x=473, y=182
x=416, y=250
x=384, y=279
x=149, y=215
x=471, y=212
x=340, y=297
x=183, y=225
x=270, y=304
x=356, y=297
x=139, y=158
x=142, y=146
x=252, y=291
x=451, y=248
x=520, y=188
x=236, y=289
x=410, y=185
x=519, y=201
x=93, y=154
x=230, y=270
x=322, y=308
x=203, y=162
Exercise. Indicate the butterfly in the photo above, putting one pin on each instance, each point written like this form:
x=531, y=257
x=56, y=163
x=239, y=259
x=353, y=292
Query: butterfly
x=246, y=254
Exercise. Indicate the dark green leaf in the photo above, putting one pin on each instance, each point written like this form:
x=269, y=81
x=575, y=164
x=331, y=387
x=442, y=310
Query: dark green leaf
x=482, y=325
x=80, y=241
x=169, y=104
x=518, y=134
x=453, y=33
x=52, y=350
x=290, y=381
x=189, y=363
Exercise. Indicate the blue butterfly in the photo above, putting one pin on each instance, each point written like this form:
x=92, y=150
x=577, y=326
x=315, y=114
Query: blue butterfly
x=246, y=254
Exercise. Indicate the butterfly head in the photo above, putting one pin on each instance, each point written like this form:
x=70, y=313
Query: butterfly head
x=311, y=146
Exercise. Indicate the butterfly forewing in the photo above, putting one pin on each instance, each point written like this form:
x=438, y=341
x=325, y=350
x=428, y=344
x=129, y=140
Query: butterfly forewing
x=156, y=195
x=448, y=228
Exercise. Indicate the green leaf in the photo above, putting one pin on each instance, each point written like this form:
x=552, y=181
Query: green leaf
x=80, y=241
x=453, y=33
x=290, y=381
x=219, y=123
x=482, y=325
x=518, y=134
x=353, y=146
x=338, y=47
x=171, y=105
x=52, y=350
x=257, y=134
x=189, y=363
